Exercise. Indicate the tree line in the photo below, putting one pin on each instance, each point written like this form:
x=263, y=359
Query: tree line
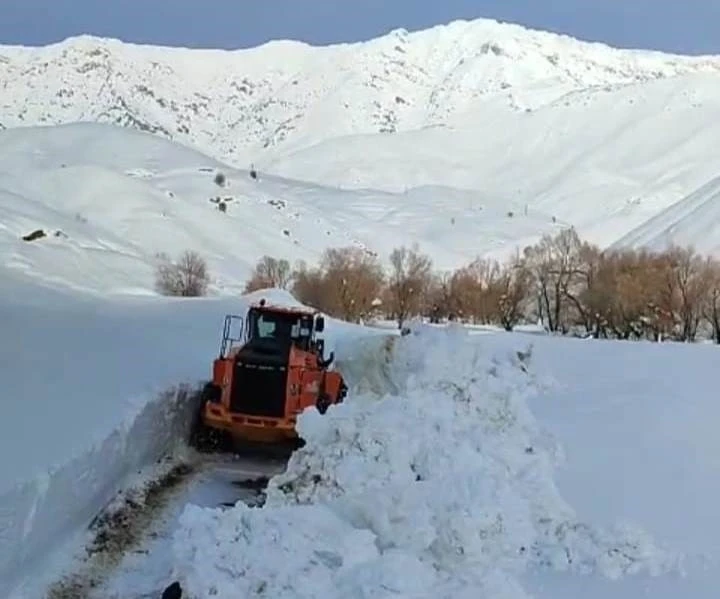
x=571, y=286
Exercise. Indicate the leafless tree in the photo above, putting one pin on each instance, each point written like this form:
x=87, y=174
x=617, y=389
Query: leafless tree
x=353, y=280
x=310, y=287
x=408, y=282
x=555, y=264
x=270, y=273
x=188, y=277
x=513, y=290
x=711, y=300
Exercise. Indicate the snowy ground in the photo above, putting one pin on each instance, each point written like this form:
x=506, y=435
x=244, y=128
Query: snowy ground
x=456, y=468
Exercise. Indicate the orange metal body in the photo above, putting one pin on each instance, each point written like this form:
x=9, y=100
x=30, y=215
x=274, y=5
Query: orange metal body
x=306, y=379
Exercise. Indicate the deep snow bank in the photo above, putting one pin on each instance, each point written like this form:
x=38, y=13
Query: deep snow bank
x=46, y=512
x=93, y=391
x=432, y=480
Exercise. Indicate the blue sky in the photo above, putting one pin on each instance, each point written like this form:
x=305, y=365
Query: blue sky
x=687, y=26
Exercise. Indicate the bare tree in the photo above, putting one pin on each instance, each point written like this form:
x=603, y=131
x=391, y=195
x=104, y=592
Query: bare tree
x=477, y=288
x=353, y=281
x=555, y=265
x=687, y=285
x=711, y=300
x=513, y=289
x=270, y=272
x=442, y=297
x=408, y=283
x=310, y=287
x=188, y=277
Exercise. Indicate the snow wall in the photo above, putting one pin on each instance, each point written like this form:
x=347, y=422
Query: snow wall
x=37, y=517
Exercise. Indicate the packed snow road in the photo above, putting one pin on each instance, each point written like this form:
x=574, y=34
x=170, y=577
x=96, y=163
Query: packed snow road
x=128, y=555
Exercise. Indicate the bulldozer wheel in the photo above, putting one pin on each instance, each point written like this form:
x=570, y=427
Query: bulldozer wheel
x=203, y=438
x=208, y=440
x=323, y=403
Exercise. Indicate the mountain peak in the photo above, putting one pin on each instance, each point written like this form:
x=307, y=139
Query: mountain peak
x=242, y=105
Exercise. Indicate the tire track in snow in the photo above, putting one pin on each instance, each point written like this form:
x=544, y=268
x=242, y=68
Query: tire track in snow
x=129, y=553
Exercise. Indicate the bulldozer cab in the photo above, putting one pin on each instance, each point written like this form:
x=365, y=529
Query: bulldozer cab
x=266, y=326
x=273, y=330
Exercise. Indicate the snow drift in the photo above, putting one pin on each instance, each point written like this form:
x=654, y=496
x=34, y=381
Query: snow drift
x=434, y=481
x=40, y=516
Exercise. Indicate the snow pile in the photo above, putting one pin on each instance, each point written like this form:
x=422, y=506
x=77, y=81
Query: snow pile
x=440, y=486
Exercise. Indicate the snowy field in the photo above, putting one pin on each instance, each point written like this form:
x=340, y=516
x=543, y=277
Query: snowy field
x=456, y=468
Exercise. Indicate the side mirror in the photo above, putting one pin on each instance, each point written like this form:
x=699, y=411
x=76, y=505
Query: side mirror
x=320, y=324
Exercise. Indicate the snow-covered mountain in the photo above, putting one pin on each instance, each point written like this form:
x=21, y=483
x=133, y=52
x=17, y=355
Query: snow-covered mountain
x=469, y=138
x=248, y=104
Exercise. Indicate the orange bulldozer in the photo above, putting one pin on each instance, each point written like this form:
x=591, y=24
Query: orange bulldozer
x=265, y=375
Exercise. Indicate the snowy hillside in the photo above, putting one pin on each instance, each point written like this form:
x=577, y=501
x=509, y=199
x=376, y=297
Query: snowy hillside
x=485, y=114
x=604, y=161
x=109, y=199
x=694, y=220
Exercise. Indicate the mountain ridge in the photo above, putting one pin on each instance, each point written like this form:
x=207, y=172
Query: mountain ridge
x=248, y=104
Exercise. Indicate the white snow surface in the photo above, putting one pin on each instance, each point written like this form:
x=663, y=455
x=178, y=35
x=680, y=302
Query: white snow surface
x=436, y=479
x=450, y=471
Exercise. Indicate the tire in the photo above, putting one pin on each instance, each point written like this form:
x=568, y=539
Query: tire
x=211, y=393
x=202, y=437
x=323, y=403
